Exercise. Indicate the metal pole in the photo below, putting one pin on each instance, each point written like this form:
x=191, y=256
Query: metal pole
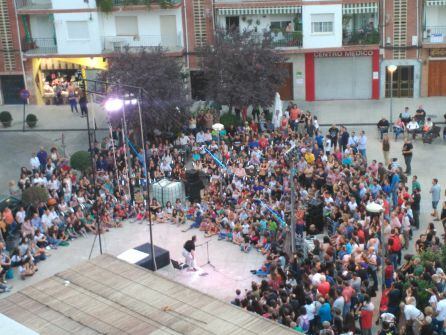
x=391, y=98
x=114, y=156
x=125, y=157
x=93, y=169
x=129, y=168
x=24, y=107
x=152, y=247
x=293, y=214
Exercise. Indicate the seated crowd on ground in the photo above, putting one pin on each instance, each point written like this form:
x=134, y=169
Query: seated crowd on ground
x=322, y=289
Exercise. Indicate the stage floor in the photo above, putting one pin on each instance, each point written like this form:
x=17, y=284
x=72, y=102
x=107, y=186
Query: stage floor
x=231, y=265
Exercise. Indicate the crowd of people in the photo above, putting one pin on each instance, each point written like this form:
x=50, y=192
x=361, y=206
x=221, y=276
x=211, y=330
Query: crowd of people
x=328, y=288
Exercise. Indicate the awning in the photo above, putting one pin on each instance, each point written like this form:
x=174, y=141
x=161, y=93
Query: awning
x=360, y=8
x=436, y=3
x=259, y=10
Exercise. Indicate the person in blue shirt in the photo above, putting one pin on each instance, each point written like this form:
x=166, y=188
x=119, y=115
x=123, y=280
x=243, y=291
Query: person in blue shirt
x=394, y=183
x=324, y=311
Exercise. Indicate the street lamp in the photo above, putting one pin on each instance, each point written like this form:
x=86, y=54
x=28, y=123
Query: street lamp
x=391, y=68
x=218, y=127
x=375, y=209
x=114, y=105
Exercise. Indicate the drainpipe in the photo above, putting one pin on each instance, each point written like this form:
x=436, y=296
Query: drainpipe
x=383, y=18
x=418, y=29
x=187, y=35
x=20, y=44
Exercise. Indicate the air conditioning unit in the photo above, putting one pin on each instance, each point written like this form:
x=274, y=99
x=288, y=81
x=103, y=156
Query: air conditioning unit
x=388, y=40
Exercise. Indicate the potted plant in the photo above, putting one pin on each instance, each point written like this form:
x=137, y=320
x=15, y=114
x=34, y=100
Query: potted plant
x=31, y=120
x=5, y=119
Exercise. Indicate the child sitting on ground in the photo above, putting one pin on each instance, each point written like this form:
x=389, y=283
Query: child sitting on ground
x=245, y=246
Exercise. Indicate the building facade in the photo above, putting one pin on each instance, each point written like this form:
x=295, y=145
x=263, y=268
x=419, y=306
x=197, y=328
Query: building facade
x=59, y=37
x=335, y=49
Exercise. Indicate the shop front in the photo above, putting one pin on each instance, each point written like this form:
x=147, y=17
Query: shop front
x=53, y=76
x=437, y=72
x=342, y=75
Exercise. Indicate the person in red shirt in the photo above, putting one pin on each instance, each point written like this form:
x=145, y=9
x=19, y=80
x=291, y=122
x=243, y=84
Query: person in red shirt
x=388, y=273
x=324, y=287
x=347, y=293
x=366, y=316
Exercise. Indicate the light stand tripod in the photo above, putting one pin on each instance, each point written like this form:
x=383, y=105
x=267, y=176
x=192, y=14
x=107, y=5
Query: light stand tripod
x=207, y=252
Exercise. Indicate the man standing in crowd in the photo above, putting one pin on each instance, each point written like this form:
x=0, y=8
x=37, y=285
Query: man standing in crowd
x=383, y=126
x=407, y=153
x=435, y=191
x=362, y=144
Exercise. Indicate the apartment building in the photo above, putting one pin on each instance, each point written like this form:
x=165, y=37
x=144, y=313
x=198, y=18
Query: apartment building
x=332, y=46
x=59, y=37
x=433, y=53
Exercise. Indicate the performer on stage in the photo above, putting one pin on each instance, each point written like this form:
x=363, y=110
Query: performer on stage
x=189, y=253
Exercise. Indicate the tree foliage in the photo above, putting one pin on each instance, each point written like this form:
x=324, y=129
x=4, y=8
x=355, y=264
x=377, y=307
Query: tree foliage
x=164, y=97
x=242, y=69
x=81, y=161
x=34, y=195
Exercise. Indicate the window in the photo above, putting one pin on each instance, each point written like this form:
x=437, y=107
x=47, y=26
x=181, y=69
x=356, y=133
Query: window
x=279, y=25
x=126, y=25
x=322, y=23
x=78, y=30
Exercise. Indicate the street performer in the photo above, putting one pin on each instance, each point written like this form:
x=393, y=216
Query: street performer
x=189, y=253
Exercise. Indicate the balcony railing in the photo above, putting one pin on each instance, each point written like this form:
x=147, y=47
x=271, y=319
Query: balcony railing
x=39, y=46
x=281, y=39
x=137, y=43
x=360, y=37
x=33, y=4
x=435, y=34
x=162, y=3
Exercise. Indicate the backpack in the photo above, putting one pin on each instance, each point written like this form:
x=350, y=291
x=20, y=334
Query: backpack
x=396, y=246
x=305, y=324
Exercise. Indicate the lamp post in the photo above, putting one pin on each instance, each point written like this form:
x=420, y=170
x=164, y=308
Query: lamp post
x=83, y=87
x=391, y=68
x=218, y=127
x=114, y=105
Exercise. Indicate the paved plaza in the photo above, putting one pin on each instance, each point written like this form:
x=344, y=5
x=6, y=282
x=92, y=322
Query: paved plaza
x=231, y=266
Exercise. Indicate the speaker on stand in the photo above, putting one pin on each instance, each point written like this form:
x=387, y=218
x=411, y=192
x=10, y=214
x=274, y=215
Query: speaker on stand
x=193, y=185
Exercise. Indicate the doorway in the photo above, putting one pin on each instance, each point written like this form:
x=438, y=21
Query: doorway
x=402, y=82
x=232, y=23
x=437, y=78
x=286, y=90
x=11, y=86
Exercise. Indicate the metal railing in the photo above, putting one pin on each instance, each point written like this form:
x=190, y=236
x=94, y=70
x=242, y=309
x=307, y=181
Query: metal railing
x=162, y=3
x=33, y=4
x=136, y=43
x=39, y=46
x=281, y=39
x=360, y=37
x=435, y=34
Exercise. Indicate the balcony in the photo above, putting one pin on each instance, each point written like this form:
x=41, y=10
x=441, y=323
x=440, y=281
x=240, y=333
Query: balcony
x=360, y=37
x=434, y=34
x=33, y=4
x=137, y=43
x=281, y=39
x=39, y=46
x=162, y=3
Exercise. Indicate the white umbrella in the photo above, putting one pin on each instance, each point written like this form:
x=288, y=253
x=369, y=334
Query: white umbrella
x=277, y=117
x=373, y=207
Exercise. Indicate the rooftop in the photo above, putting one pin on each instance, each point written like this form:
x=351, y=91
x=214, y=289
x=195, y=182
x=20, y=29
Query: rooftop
x=109, y=296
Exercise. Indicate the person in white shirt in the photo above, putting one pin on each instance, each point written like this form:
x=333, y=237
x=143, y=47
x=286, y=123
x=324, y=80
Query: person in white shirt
x=199, y=138
x=362, y=144
x=413, y=128
x=165, y=167
x=20, y=216
x=35, y=163
x=441, y=315
x=46, y=220
x=413, y=314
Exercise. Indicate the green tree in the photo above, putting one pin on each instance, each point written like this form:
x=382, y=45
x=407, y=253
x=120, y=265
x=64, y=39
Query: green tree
x=81, y=161
x=242, y=69
x=34, y=196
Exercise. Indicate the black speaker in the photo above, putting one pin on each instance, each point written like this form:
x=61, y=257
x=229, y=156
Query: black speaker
x=193, y=190
x=192, y=175
x=315, y=215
